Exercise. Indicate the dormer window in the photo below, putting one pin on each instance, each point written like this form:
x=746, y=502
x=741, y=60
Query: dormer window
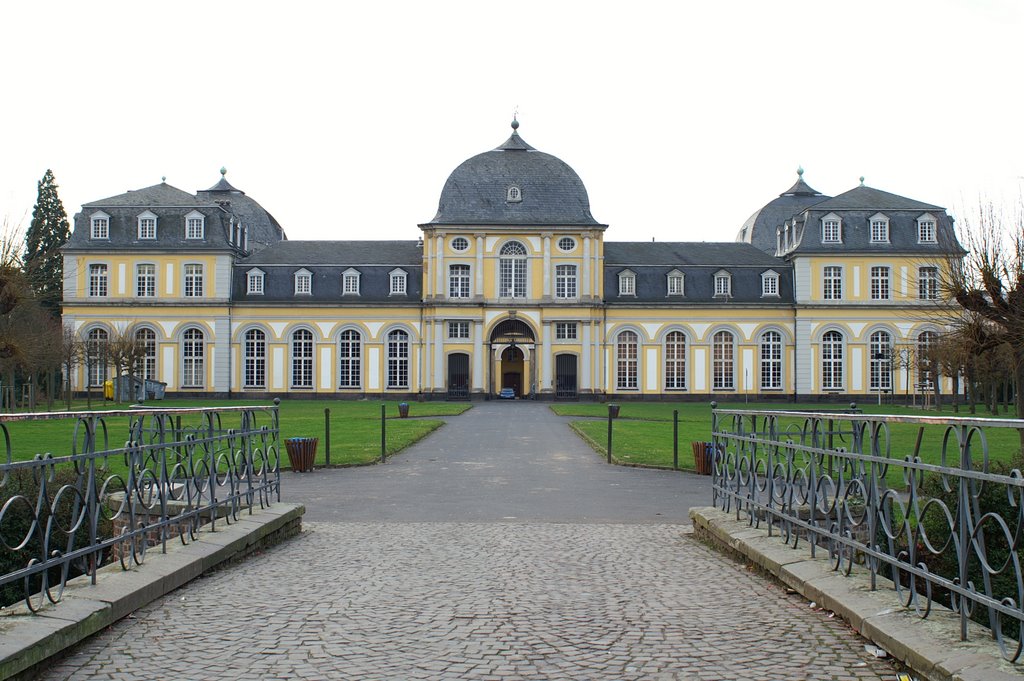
x=879, y=229
x=100, y=226
x=195, y=225
x=147, y=225
x=350, y=282
x=627, y=283
x=303, y=282
x=514, y=195
x=769, y=284
x=254, y=282
x=399, y=281
x=926, y=229
x=831, y=229
x=675, y=283
x=723, y=284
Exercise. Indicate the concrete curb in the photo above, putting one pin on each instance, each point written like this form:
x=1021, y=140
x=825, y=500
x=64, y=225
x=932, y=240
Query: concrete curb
x=28, y=640
x=930, y=647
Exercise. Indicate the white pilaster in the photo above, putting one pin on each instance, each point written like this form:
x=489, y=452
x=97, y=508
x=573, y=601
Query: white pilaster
x=439, y=287
x=547, y=361
x=478, y=356
x=585, y=364
x=547, y=267
x=585, y=288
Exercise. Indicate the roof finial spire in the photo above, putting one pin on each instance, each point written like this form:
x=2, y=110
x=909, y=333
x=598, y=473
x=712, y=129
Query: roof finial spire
x=800, y=172
x=223, y=171
x=515, y=120
x=861, y=180
x=163, y=178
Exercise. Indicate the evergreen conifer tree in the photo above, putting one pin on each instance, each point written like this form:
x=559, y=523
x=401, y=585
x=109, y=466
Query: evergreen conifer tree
x=49, y=230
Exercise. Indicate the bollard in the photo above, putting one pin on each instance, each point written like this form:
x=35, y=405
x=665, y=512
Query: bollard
x=327, y=435
x=383, y=434
x=609, y=433
x=675, y=439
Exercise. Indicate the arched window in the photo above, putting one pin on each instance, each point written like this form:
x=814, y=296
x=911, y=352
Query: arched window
x=675, y=361
x=512, y=271
x=350, y=359
x=254, y=370
x=193, y=354
x=626, y=360
x=722, y=362
x=926, y=367
x=147, y=339
x=398, y=359
x=96, y=356
x=880, y=347
x=832, y=361
x=514, y=194
x=302, y=359
x=771, y=360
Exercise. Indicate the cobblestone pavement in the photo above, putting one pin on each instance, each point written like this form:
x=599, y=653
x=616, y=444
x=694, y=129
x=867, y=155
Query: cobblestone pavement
x=479, y=601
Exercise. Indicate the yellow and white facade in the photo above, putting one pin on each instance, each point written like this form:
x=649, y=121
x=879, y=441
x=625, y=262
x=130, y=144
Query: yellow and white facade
x=513, y=285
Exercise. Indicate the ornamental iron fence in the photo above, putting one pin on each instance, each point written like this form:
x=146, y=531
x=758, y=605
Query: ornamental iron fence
x=943, y=528
x=175, y=471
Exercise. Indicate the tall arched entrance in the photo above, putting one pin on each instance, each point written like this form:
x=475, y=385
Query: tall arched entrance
x=513, y=358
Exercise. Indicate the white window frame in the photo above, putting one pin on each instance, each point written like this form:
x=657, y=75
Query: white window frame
x=880, y=369
x=350, y=359
x=880, y=284
x=771, y=348
x=675, y=360
x=193, y=363
x=928, y=282
x=399, y=360
x=770, y=284
x=567, y=244
x=194, y=280
x=881, y=221
x=566, y=282
x=254, y=360
x=302, y=345
x=514, y=194
x=255, y=281
x=627, y=283
x=458, y=329
x=195, y=226
x=831, y=229
x=566, y=331
x=723, y=360
x=96, y=340
x=833, y=351
x=832, y=282
x=513, y=270
x=99, y=280
x=145, y=284
x=303, y=280
x=460, y=244
x=627, y=360
x=146, y=224
x=99, y=226
x=147, y=337
x=398, y=282
x=927, y=229
x=675, y=283
x=723, y=284
x=350, y=282
x=460, y=284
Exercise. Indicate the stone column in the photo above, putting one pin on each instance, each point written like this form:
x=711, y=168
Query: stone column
x=478, y=277
x=546, y=357
x=586, y=369
x=439, y=378
x=546, y=236
x=439, y=287
x=478, y=356
x=585, y=279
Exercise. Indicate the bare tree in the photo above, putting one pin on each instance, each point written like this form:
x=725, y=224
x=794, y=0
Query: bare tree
x=126, y=354
x=72, y=355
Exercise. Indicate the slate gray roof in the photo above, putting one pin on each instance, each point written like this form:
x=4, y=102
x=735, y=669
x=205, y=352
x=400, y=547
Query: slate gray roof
x=476, y=191
x=855, y=209
x=760, y=228
x=344, y=253
x=327, y=261
x=221, y=205
x=651, y=262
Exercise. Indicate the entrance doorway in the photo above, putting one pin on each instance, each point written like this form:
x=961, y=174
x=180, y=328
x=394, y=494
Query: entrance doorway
x=458, y=376
x=512, y=362
x=565, y=377
x=512, y=370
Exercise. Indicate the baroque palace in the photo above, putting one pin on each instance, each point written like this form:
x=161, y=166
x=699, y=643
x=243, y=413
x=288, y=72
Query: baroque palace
x=513, y=285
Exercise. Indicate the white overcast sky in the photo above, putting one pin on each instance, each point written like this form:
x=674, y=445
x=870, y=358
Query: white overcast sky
x=344, y=119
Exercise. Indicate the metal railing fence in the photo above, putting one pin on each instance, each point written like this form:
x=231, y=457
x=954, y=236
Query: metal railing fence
x=944, y=528
x=105, y=497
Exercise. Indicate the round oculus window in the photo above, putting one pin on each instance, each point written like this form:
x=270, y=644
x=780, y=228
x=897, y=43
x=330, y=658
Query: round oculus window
x=566, y=243
x=460, y=243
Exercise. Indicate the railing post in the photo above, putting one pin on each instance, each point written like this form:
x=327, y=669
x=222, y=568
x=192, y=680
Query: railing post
x=383, y=433
x=609, y=433
x=675, y=439
x=327, y=435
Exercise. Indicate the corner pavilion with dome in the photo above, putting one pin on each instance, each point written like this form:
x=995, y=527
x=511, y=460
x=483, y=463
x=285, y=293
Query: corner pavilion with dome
x=512, y=285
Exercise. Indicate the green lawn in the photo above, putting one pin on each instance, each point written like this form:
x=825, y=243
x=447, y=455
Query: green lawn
x=355, y=427
x=643, y=432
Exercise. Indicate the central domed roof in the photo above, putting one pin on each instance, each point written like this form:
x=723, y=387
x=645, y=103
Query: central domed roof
x=514, y=184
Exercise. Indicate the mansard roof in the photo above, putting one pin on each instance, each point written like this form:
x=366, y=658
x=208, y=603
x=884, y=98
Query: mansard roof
x=342, y=253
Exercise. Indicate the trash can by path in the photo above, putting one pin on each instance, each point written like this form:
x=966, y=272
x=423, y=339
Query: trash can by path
x=301, y=453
